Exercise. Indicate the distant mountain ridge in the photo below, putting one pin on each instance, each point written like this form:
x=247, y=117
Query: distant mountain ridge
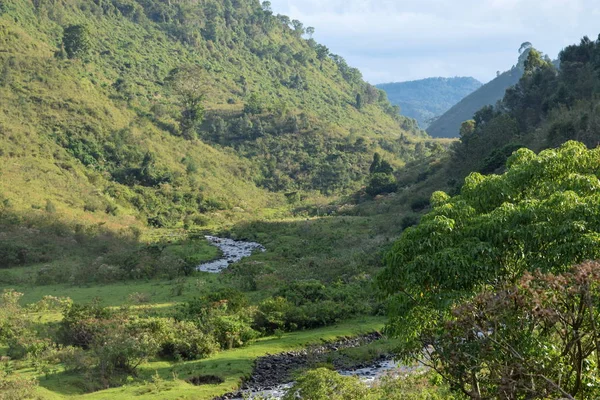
x=428, y=98
x=448, y=125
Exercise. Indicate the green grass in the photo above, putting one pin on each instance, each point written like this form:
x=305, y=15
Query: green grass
x=116, y=294
x=231, y=365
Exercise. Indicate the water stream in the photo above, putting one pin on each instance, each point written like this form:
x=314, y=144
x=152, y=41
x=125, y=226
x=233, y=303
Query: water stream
x=369, y=375
x=233, y=251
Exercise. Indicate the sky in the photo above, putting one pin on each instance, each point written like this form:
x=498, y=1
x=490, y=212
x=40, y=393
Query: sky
x=400, y=40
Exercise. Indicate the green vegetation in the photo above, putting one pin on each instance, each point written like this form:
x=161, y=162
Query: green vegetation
x=450, y=279
x=131, y=128
x=427, y=99
x=547, y=107
x=448, y=124
x=323, y=384
x=161, y=117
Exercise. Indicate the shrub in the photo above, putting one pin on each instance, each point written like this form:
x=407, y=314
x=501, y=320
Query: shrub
x=380, y=183
x=16, y=386
x=120, y=349
x=524, y=340
x=324, y=384
x=185, y=341
x=76, y=41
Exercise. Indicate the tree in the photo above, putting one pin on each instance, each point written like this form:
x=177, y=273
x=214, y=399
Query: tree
x=322, y=53
x=310, y=31
x=187, y=85
x=253, y=105
x=76, y=41
x=536, y=338
x=266, y=6
x=298, y=27
x=380, y=183
x=525, y=46
x=375, y=163
x=379, y=165
x=284, y=20
x=467, y=128
x=359, y=102
x=541, y=214
x=121, y=349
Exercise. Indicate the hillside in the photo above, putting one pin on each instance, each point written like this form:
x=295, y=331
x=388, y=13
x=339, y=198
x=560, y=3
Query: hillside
x=448, y=124
x=131, y=129
x=426, y=99
x=96, y=115
x=546, y=108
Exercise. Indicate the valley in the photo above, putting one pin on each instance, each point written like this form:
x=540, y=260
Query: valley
x=196, y=193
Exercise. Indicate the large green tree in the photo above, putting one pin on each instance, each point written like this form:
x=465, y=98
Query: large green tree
x=541, y=214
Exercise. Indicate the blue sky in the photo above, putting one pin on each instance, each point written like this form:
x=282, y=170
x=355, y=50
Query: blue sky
x=398, y=40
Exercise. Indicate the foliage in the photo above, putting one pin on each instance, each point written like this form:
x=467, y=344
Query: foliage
x=381, y=183
x=535, y=338
x=121, y=349
x=141, y=95
x=540, y=214
x=16, y=387
x=187, y=85
x=547, y=107
x=76, y=41
x=324, y=384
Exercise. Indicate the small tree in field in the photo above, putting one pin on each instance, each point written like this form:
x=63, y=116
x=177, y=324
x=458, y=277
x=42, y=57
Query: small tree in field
x=76, y=41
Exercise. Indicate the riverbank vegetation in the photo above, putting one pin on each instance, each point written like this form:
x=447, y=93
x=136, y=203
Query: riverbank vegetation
x=130, y=129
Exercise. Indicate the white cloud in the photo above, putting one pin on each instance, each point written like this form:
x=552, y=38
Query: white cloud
x=410, y=39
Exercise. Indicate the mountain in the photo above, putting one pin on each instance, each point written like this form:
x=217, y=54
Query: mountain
x=448, y=124
x=160, y=111
x=428, y=98
x=546, y=108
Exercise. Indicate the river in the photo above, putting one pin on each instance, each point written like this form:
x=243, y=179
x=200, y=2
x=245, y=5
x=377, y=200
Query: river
x=233, y=251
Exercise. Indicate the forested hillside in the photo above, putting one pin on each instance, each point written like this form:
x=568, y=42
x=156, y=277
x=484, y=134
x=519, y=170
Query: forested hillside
x=426, y=99
x=547, y=107
x=448, y=124
x=166, y=110
x=498, y=276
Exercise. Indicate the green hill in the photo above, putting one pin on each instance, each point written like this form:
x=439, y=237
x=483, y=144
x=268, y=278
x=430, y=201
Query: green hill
x=429, y=98
x=95, y=114
x=448, y=124
x=546, y=108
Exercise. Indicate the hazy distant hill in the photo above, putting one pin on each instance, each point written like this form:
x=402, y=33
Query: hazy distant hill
x=448, y=124
x=428, y=98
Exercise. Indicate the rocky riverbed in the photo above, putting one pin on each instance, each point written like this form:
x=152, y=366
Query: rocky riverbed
x=233, y=251
x=272, y=374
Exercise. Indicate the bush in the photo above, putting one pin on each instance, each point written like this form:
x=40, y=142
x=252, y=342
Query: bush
x=324, y=384
x=120, y=349
x=81, y=322
x=302, y=292
x=380, y=183
x=185, y=341
x=16, y=387
x=419, y=204
x=76, y=41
